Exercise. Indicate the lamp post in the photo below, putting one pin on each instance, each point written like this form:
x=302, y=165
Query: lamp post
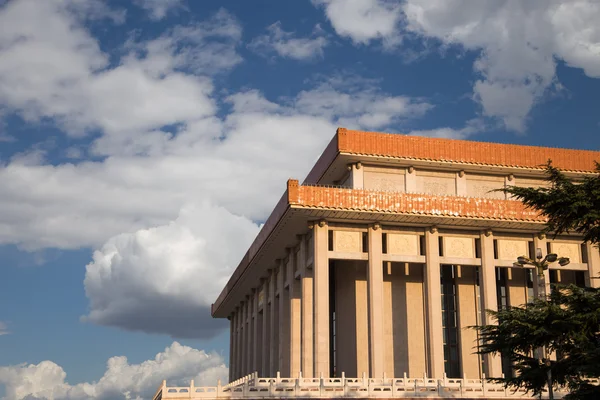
x=541, y=264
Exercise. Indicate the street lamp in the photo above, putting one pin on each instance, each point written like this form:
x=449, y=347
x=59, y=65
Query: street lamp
x=541, y=264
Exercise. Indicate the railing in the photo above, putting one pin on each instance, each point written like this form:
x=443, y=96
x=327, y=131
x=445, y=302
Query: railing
x=252, y=387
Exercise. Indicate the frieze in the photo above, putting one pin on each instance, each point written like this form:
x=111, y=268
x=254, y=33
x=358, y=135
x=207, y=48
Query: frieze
x=511, y=249
x=436, y=185
x=485, y=189
x=460, y=247
x=384, y=181
x=347, y=241
x=570, y=250
x=402, y=244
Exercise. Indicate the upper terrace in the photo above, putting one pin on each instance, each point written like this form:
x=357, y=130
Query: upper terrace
x=348, y=146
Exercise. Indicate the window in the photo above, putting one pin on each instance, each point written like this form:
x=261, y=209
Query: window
x=450, y=321
x=503, y=303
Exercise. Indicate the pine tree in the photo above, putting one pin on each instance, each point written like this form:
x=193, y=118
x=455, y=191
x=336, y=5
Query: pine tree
x=567, y=323
x=570, y=206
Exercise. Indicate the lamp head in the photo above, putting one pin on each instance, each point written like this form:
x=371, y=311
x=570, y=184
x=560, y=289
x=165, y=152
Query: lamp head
x=564, y=261
x=522, y=260
x=538, y=253
x=552, y=257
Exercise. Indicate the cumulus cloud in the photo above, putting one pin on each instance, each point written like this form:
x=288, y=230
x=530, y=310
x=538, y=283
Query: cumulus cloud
x=177, y=170
x=364, y=20
x=518, y=43
x=51, y=67
x=158, y=9
x=121, y=380
x=164, y=279
x=351, y=101
x=205, y=47
x=149, y=273
x=286, y=45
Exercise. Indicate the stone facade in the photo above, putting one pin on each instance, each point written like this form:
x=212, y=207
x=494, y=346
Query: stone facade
x=377, y=265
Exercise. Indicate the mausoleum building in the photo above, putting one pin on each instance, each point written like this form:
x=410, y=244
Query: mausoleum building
x=392, y=247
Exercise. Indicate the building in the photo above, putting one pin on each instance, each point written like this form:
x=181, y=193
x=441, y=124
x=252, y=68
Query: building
x=392, y=247
x=388, y=251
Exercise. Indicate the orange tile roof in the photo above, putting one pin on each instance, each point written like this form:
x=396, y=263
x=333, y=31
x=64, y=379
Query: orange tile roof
x=463, y=151
x=409, y=203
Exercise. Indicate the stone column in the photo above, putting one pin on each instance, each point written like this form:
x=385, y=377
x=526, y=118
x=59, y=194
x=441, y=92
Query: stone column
x=321, y=298
x=540, y=242
x=284, y=322
x=249, y=338
x=243, y=341
x=434, y=304
x=295, y=306
x=375, y=302
x=593, y=262
x=461, y=184
x=238, y=348
x=266, y=348
x=274, y=329
x=410, y=180
x=357, y=172
x=307, y=323
x=256, y=334
x=489, y=300
x=231, y=345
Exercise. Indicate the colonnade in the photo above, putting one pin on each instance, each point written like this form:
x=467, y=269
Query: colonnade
x=284, y=325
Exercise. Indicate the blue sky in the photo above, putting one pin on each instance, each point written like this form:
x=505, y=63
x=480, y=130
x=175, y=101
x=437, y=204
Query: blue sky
x=143, y=142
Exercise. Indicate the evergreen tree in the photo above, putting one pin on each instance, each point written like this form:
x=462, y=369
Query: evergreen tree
x=567, y=323
x=570, y=206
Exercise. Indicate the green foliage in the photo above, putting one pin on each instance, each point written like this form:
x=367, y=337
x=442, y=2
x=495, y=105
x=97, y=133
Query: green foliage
x=570, y=206
x=568, y=324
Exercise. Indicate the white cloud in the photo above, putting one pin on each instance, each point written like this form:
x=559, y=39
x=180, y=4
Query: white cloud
x=164, y=279
x=3, y=328
x=356, y=102
x=472, y=127
x=518, y=42
x=94, y=10
x=286, y=45
x=153, y=265
x=364, y=20
x=158, y=9
x=161, y=145
x=121, y=380
x=205, y=47
x=50, y=67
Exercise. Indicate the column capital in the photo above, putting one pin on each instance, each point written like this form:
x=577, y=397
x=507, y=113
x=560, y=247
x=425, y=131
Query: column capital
x=433, y=229
x=541, y=235
x=375, y=226
x=321, y=223
x=488, y=232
